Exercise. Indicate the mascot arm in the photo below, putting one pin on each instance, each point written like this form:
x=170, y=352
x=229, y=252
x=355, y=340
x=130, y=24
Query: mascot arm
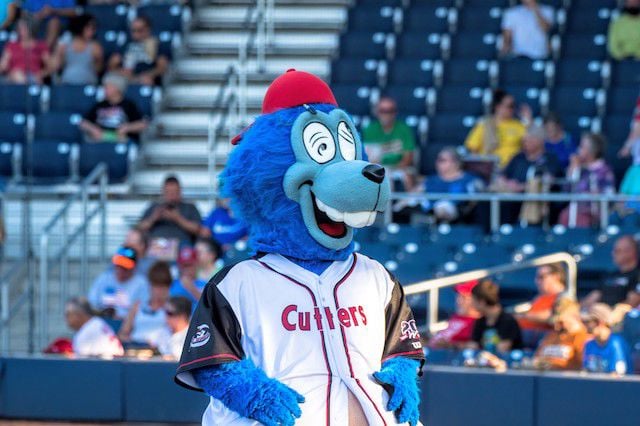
x=399, y=377
x=247, y=390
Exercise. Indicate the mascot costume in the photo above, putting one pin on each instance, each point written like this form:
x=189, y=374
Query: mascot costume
x=307, y=331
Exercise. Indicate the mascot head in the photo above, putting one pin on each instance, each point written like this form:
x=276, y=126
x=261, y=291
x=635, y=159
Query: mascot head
x=298, y=176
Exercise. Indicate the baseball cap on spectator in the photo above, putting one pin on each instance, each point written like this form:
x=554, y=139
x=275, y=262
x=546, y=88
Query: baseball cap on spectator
x=464, y=289
x=59, y=346
x=125, y=257
x=187, y=256
x=599, y=312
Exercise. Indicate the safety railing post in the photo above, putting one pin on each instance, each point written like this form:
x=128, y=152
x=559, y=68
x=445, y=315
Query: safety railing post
x=64, y=264
x=85, y=243
x=4, y=314
x=432, y=317
x=43, y=306
x=104, y=182
x=494, y=214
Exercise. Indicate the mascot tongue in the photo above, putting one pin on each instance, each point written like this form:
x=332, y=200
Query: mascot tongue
x=332, y=229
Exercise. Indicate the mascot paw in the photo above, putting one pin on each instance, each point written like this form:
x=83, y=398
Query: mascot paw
x=398, y=377
x=245, y=389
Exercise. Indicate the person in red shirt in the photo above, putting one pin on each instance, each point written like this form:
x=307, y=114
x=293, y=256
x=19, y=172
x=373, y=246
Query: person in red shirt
x=25, y=60
x=458, y=331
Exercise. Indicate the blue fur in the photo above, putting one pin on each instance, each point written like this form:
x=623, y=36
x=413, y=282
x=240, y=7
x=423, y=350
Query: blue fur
x=401, y=374
x=275, y=221
x=249, y=392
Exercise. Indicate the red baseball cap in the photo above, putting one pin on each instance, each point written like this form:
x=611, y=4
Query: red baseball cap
x=61, y=345
x=465, y=288
x=294, y=88
x=187, y=256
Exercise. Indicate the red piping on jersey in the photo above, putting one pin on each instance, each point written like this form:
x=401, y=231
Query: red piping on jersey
x=233, y=357
x=324, y=349
x=416, y=352
x=344, y=338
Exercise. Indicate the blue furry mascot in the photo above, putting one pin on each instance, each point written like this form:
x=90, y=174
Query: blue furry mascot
x=307, y=331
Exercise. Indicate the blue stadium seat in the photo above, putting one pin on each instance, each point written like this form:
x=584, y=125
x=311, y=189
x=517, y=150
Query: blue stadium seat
x=439, y=3
x=72, y=98
x=115, y=155
x=411, y=71
x=20, y=98
x=4, y=38
x=427, y=17
x=428, y=154
x=486, y=255
x=578, y=72
x=515, y=237
x=576, y=124
x=625, y=73
x=372, y=18
x=456, y=236
x=363, y=45
x=49, y=162
x=166, y=40
x=527, y=95
x=474, y=46
x=111, y=42
x=163, y=17
x=58, y=126
x=487, y=3
x=574, y=101
x=462, y=100
x=13, y=127
x=142, y=96
x=399, y=236
x=622, y=100
x=522, y=72
x=418, y=45
x=584, y=4
x=584, y=46
x=480, y=19
x=572, y=237
x=355, y=71
x=450, y=129
x=616, y=127
x=593, y=19
x=411, y=100
x=382, y=252
x=353, y=98
x=381, y=3
x=7, y=153
x=113, y=17
x=466, y=72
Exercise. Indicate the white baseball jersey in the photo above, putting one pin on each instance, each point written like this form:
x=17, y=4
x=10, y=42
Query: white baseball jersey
x=322, y=335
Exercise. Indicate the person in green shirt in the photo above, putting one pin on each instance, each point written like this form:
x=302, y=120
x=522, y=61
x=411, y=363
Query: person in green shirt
x=624, y=32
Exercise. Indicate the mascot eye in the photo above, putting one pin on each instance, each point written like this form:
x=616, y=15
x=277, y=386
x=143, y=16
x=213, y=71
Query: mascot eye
x=346, y=141
x=319, y=142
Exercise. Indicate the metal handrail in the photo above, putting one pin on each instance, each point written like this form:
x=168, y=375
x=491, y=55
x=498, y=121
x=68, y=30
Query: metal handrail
x=8, y=310
x=432, y=287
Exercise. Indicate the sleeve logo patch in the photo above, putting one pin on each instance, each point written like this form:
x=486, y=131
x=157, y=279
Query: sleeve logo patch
x=409, y=330
x=201, y=337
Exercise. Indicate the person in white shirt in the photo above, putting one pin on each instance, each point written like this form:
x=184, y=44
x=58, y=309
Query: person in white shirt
x=525, y=30
x=93, y=335
x=178, y=314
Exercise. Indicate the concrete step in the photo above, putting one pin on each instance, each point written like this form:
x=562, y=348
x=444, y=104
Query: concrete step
x=194, y=179
x=311, y=16
x=188, y=152
x=203, y=95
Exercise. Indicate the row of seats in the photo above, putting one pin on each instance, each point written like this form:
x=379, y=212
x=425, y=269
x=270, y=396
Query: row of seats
x=163, y=17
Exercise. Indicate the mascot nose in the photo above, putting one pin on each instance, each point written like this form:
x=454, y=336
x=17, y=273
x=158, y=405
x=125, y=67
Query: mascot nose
x=374, y=173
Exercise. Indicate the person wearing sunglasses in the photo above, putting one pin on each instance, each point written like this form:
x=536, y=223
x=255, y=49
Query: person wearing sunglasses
x=178, y=313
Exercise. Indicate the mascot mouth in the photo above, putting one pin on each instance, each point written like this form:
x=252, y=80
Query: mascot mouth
x=334, y=222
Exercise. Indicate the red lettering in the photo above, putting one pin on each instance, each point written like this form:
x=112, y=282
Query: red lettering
x=352, y=311
x=344, y=318
x=362, y=315
x=285, y=317
x=304, y=321
x=318, y=317
x=329, y=315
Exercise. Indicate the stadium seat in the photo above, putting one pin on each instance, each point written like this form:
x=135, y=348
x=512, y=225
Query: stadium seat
x=399, y=236
x=20, y=98
x=574, y=101
x=382, y=252
x=481, y=19
x=167, y=41
x=466, y=72
x=591, y=19
x=143, y=97
x=527, y=95
x=411, y=100
x=355, y=71
x=473, y=46
x=584, y=46
x=112, y=42
x=7, y=155
x=571, y=237
x=609, y=4
x=365, y=45
x=616, y=127
x=461, y=100
x=418, y=45
x=52, y=164
x=487, y=3
x=516, y=236
x=381, y=3
x=372, y=18
x=115, y=155
x=426, y=17
x=113, y=17
x=13, y=127
x=4, y=38
x=455, y=236
x=577, y=124
x=411, y=72
x=450, y=129
x=72, y=98
x=428, y=154
x=58, y=126
x=485, y=255
x=622, y=100
x=578, y=72
x=523, y=72
x=625, y=73
x=163, y=17
x=353, y=98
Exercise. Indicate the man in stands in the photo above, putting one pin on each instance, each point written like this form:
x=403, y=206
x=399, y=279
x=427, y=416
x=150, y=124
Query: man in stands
x=188, y=285
x=458, y=331
x=93, y=335
x=222, y=225
x=606, y=352
x=621, y=285
x=137, y=240
x=525, y=30
x=170, y=222
x=624, y=32
x=117, y=289
x=178, y=313
x=496, y=331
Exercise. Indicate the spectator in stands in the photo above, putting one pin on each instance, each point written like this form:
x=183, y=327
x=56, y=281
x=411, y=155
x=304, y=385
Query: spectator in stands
x=557, y=141
x=222, y=225
x=25, y=60
x=631, y=182
x=460, y=325
x=525, y=30
x=617, y=286
x=551, y=282
x=450, y=178
x=562, y=348
x=589, y=174
x=170, y=221
x=624, y=32
x=146, y=321
x=93, y=335
x=606, y=352
x=115, y=291
x=137, y=240
x=8, y=13
x=142, y=61
x=207, y=252
x=116, y=118
x=80, y=59
x=51, y=14
x=631, y=334
x=178, y=312
x=188, y=285
x=496, y=330
x=391, y=143
x=501, y=132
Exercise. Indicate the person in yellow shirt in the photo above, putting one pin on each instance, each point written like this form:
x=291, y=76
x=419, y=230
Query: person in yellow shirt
x=501, y=132
x=624, y=32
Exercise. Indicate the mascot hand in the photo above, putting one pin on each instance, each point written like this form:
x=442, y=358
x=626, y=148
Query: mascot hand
x=398, y=376
x=248, y=391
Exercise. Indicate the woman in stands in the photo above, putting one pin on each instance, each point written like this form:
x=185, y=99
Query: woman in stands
x=25, y=60
x=80, y=59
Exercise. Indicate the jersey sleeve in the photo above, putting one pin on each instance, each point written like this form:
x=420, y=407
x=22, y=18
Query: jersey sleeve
x=402, y=336
x=214, y=335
